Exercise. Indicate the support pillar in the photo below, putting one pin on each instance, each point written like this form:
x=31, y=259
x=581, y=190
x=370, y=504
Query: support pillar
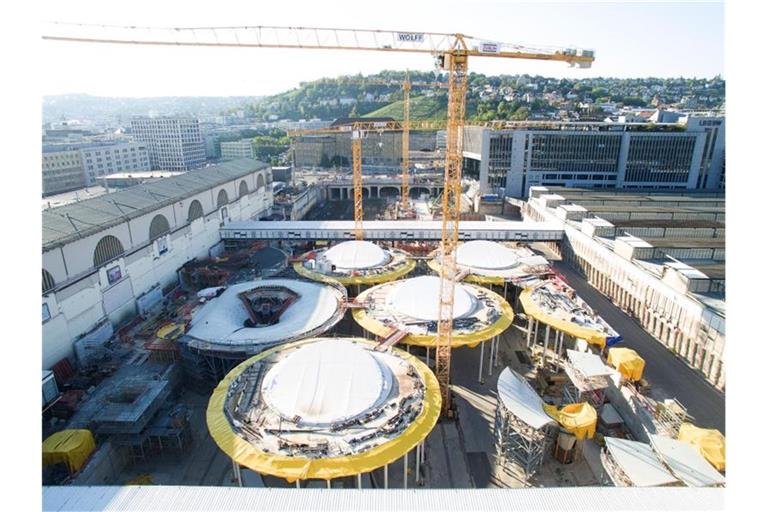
x=386, y=476
x=298, y=484
x=546, y=346
x=480, y=373
x=359, y=480
x=405, y=470
x=530, y=331
x=427, y=356
x=238, y=474
x=418, y=462
x=328, y=484
x=490, y=355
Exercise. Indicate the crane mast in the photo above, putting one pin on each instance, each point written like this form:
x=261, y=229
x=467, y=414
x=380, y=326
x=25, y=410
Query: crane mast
x=452, y=50
x=405, y=162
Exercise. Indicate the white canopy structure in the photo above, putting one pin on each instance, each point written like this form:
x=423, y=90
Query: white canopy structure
x=356, y=254
x=686, y=462
x=327, y=382
x=634, y=464
x=522, y=428
x=418, y=298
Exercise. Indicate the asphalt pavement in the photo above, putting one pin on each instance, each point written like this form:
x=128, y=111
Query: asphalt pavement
x=666, y=372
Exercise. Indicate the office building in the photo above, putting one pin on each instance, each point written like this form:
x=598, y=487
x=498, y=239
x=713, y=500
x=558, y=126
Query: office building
x=173, y=143
x=63, y=171
x=651, y=156
x=233, y=150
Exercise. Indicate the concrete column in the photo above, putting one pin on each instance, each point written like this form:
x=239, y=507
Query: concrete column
x=328, y=484
x=490, y=355
x=359, y=480
x=238, y=474
x=536, y=333
x=427, y=356
x=546, y=345
x=529, y=332
x=386, y=476
x=480, y=372
x=423, y=451
x=418, y=462
x=298, y=484
x=405, y=470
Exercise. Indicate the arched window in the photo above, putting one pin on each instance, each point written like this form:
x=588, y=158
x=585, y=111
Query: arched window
x=243, y=189
x=48, y=282
x=108, y=249
x=158, y=227
x=260, y=182
x=223, y=199
x=195, y=210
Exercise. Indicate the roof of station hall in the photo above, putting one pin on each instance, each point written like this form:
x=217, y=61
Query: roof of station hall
x=70, y=222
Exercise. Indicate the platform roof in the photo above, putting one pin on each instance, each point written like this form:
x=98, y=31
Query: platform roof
x=72, y=221
x=519, y=398
x=686, y=462
x=639, y=463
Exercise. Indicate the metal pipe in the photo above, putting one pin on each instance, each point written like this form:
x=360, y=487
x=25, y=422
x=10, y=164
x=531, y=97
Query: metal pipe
x=529, y=333
x=298, y=483
x=328, y=483
x=386, y=476
x=359, y=481
x=546, y=346
x=427, y=356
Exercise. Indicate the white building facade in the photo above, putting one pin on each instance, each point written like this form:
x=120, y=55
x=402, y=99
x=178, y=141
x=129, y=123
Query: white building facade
x=667, y=306
x=589, y=155
x=173, y=143
x=237, y=149
x=120, y=246
x=102, y=160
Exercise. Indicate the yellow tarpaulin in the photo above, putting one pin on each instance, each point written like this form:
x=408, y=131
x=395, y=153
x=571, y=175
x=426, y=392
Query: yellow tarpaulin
x=532, y=309
x=302, y=468
x=627, y=361
x=578, y=419
x=710, y=442
x=70, y=446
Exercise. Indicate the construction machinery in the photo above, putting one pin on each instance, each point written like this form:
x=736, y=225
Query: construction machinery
x=451, y=51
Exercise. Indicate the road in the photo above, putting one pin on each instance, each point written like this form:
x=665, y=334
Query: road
x=665, y=371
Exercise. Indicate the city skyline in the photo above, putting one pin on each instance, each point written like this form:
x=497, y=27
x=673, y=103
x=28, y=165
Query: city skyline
x=679, y=39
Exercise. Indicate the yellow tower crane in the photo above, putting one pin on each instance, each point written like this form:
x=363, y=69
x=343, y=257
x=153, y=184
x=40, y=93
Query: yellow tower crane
x=358, y=130
x=452, y=52
x=406, y=86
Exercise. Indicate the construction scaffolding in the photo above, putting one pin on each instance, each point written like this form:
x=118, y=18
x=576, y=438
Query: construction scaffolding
x=522, y=430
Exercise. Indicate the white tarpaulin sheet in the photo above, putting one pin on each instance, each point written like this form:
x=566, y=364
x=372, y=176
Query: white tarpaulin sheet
x=588, y=364
x=521, y=400
x=639, y=463
x=686, y=462
x=327, y=382
x=419, y=298
x=356, y=254
x=485, y=254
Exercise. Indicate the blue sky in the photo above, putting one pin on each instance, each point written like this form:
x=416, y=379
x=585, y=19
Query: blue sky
x=630, y=39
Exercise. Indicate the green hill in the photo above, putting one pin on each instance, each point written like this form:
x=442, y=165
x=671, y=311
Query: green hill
x=422, y=107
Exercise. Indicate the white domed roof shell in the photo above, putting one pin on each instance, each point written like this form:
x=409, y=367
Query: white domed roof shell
x=418, y=298
x=485, y=254
x=356, y=254
x=327, y=382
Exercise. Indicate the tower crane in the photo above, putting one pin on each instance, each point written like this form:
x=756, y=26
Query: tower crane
x=406, y=86
x=358, y=129
x=451, y=51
